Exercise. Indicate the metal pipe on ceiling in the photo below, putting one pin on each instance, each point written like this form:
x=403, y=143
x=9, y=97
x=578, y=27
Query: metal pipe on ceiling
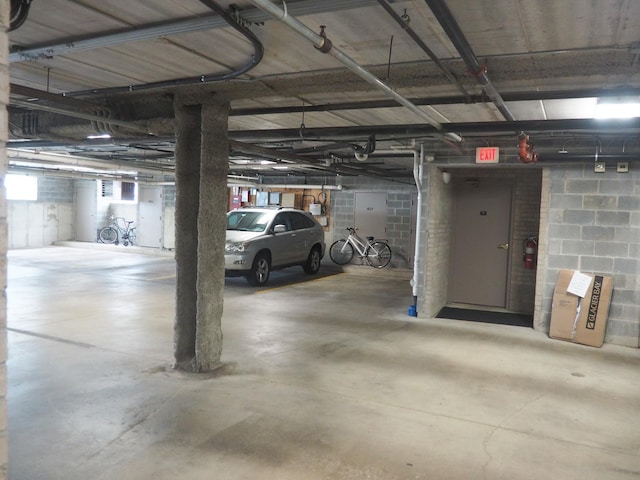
x=323, y=44
x=453, y=31
x=588, y=126
x=171, y=28
x=444, y=100
x=416, y=38
x=255, y=150
x=77, y=161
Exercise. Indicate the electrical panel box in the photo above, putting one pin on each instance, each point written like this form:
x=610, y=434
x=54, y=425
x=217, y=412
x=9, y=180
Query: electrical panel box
x=315, y=209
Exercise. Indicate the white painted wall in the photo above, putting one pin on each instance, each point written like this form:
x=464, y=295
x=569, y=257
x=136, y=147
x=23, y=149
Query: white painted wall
x=38, y=224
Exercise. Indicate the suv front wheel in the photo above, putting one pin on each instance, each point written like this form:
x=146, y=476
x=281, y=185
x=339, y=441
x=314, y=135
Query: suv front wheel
x=312, y=265
x=260, y=270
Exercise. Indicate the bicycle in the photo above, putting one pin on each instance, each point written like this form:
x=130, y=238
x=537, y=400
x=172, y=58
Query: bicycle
x=118, y=229
x=377, y=253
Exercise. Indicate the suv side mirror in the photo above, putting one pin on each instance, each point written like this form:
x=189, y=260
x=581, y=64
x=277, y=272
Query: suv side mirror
x=279, y=228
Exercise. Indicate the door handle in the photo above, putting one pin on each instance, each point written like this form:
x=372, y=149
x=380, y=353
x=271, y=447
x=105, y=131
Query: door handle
x=504, y=246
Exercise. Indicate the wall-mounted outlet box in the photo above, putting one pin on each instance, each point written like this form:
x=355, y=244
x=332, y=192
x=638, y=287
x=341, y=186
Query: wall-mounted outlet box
x=599, y=167
x=623, y=167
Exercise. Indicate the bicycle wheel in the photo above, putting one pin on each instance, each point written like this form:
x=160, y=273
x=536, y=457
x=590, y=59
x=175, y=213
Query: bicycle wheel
x=341, y=252
x=378, y=254
x=132, y=236
x=108, y=235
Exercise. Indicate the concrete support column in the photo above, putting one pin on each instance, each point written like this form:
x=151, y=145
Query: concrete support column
x=202, y=153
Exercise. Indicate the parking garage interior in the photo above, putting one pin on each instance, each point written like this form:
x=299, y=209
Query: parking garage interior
x=462, y=134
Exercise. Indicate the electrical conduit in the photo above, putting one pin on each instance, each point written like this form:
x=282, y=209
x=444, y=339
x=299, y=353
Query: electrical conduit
x=323, y=44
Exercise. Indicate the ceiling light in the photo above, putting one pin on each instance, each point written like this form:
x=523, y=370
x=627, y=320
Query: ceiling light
x=617, y=107
x=101, y=135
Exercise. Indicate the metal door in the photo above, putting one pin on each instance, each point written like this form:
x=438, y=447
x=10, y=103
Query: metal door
x=480, y=251
x=149, y=226
x=86, y=204
x=370, y=213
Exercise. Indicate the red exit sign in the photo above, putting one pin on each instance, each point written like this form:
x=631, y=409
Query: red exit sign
x=487, y=155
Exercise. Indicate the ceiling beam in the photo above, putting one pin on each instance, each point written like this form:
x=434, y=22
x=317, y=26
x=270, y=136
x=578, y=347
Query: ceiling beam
x=622, y=126
x=445, y=100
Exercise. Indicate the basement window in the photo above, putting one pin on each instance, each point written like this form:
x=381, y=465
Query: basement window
x=21, y=187
x=128, y=191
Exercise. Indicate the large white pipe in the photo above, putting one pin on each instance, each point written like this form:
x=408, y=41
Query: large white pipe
x=418, y=172
x=76, y=161
x=324, y=44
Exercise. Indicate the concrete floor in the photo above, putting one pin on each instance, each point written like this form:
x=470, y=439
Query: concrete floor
x=324, y=379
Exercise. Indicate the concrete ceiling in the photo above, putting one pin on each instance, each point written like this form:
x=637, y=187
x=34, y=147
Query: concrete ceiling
x=83, y=67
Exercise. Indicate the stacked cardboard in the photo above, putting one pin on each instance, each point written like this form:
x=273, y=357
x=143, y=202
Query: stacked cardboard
x=581, y=307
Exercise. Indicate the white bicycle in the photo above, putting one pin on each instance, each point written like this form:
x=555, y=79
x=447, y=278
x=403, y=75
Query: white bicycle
x=377, y=253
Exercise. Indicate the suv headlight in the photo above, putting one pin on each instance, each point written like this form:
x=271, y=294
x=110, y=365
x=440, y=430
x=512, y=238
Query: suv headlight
x=235, y=247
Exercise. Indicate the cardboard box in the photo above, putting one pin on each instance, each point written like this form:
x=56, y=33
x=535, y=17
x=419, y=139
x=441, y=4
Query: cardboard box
x=580, y=307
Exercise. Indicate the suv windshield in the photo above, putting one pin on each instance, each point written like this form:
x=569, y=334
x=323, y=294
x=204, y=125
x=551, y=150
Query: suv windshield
x=248, y=221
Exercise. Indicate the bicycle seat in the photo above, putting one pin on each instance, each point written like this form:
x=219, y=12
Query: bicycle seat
x=130, y=221
x=370, y=239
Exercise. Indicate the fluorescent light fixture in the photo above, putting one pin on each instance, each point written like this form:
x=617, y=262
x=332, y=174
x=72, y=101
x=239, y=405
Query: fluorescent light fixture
x=618, y=107
x=102, y=135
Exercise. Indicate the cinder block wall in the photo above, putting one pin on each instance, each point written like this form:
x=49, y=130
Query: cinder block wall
x=438, y=211
x=592, y=224
x=398, y=226
x=525, y=222
x=45, y=221
x=4, y=99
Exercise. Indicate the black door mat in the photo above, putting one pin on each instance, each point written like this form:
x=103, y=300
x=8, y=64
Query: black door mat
x=502, y=318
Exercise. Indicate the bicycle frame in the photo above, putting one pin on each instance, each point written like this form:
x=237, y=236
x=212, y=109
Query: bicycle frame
x=119, y=229
x=377, y=253
x=357, y=242
x=125, y=230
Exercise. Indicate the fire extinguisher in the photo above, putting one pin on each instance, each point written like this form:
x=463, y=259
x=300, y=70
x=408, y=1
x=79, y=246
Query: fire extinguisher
x=530, y=247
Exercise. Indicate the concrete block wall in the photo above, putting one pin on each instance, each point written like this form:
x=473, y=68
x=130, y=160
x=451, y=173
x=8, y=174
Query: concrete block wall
x=438, y=213
x=45, y=221
x=4, y=99
x=398, y=228
x=592, y=224
x=525, y=223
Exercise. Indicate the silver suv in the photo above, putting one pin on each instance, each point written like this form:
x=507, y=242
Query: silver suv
x=263, y=239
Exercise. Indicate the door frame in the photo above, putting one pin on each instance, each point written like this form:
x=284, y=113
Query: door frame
x=511, y=183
